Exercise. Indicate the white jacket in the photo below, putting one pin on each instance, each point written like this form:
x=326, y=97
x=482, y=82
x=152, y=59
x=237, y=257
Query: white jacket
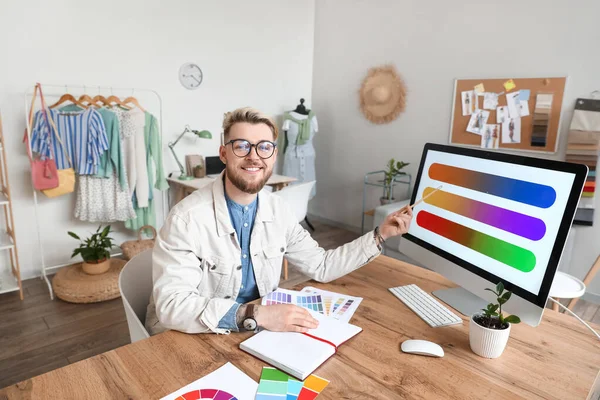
x=197, y=271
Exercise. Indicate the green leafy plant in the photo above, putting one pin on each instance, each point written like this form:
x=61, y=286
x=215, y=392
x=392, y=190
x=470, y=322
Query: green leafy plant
x=96, y=247
x=393, y=169
x=492, y=316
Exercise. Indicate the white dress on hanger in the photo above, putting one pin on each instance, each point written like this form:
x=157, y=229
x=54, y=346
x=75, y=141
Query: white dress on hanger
x=134, y=153
x=299, y=161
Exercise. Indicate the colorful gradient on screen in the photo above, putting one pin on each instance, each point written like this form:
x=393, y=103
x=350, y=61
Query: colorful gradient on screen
x=512, y=221
x=504, y=252
x=531, y=193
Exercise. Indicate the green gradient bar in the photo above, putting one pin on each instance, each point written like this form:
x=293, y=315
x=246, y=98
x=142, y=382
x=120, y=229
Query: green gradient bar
x=504, y=252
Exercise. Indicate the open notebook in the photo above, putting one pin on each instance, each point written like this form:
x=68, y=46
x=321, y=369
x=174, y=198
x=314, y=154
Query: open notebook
x=300, y=354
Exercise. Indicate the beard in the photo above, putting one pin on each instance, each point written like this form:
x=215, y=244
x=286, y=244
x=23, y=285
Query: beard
x=239, y=181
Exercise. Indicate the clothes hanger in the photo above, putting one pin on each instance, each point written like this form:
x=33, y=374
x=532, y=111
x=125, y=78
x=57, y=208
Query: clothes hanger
x=114, y=99
x=84, y=98
x=68, y=97
x=134, y=101
x=300, y=109
x=101, y=99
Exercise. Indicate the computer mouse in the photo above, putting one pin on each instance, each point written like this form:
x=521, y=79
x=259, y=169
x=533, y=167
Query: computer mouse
x=422, y=347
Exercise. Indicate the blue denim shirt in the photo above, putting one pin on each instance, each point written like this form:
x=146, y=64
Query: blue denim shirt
x=242, y=219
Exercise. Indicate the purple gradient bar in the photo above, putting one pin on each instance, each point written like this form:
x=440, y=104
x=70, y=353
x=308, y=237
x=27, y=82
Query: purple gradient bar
x=510, y=221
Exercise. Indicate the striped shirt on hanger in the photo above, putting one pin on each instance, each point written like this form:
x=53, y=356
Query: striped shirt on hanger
x=83, y=135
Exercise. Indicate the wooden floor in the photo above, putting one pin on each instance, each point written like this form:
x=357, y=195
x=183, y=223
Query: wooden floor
x=38, y=335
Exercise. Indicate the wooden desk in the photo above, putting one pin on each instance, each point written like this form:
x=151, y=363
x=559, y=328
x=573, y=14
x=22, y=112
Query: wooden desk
x=183, y=188
x=558, y=359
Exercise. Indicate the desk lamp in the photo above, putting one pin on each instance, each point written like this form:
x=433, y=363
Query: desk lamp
x=200, y=134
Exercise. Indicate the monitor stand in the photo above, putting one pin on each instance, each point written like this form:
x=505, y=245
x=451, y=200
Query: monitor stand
x=461, y=300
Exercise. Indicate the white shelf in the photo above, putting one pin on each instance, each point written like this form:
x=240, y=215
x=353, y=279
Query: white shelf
x=9, y=282
x=3, y=198
x=5, y=241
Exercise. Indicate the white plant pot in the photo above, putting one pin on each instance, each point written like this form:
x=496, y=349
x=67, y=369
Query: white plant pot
x=485, y=342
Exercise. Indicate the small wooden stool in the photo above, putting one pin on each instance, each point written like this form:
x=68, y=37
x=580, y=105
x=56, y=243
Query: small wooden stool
x=75, y=286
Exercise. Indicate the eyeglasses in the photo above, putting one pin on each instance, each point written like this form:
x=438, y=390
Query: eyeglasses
x=242, y=147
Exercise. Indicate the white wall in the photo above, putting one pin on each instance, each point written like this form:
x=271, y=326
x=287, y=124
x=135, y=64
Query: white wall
x=257, y=53
x=431, y=43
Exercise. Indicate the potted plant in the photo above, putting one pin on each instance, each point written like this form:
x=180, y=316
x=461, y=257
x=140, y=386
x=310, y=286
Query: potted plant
x=199, y=171
x=489, y=330
x=393, y=170
x=95, y=251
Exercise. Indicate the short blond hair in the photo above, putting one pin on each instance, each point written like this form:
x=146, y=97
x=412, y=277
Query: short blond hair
x=249, y=115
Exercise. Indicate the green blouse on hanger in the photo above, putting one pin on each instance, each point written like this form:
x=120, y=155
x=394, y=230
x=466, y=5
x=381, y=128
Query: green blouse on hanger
x=147, y=215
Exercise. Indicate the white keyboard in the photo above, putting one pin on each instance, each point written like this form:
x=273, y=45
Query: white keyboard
x=425, y=306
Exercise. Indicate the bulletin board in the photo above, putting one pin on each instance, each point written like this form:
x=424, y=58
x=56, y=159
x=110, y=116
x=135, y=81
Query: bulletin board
x=554, y=86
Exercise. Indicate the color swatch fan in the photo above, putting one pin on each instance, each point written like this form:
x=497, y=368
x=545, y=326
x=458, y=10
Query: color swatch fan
x=336, y=305
x=225, y=383
x=283, y=296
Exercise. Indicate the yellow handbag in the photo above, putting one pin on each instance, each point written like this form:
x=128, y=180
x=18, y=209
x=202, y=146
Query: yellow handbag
x=66, y=183
x=66, y=177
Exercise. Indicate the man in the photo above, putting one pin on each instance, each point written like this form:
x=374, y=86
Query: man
x=223, y=245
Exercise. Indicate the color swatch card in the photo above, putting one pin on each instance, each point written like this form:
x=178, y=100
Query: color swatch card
x=277, y=385
x=225, y=383
x=283, y=296
x=338, y=306
x=273, y=385
x=313, y=385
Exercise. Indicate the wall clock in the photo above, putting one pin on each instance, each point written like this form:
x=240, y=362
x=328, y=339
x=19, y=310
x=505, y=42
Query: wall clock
x=190, y=76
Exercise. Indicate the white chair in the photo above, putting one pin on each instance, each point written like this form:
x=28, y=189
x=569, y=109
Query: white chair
x=135, y=285
x=297, y=197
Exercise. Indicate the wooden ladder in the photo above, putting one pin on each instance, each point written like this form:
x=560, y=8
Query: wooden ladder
x=10, y=280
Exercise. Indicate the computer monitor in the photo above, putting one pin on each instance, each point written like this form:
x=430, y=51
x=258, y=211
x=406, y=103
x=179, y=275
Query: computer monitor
x=497, y=217
x=214, y=165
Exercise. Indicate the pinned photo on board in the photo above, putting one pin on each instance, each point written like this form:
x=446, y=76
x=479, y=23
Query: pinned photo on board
x=513, y=102
x=477, y=122
x=502, y=114
x=491, y=136
x=523, y=108
x=468, y=102
x=490, y=101
x=511, y=131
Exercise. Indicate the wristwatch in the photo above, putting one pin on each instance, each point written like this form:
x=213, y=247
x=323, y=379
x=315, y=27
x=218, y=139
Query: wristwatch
x=249, y=323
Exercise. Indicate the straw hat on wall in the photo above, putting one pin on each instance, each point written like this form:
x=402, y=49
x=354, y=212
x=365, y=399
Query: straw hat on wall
x=382, y=95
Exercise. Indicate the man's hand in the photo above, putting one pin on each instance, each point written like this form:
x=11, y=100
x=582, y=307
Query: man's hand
x=284, y=318
x=396, y=223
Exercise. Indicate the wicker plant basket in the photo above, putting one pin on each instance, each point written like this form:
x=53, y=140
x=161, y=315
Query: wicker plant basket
x=132, y=248
x=75, y=286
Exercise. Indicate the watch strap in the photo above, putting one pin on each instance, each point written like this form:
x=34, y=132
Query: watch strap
x=250, y=309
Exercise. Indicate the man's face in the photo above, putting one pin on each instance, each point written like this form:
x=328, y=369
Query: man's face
x=250, y=173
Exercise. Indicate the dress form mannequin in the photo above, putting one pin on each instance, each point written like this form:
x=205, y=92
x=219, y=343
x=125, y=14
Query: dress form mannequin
x=299, y=127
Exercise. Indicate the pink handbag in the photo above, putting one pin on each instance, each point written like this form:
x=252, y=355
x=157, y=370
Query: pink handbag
x=43, y=172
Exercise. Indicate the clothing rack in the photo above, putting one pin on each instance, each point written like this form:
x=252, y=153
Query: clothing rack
x=27, y=98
